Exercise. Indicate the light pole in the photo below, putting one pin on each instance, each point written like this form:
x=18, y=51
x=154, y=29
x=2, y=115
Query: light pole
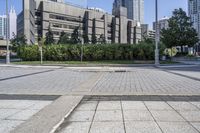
x=157, y=35
x=81, y=39
x=7, y=28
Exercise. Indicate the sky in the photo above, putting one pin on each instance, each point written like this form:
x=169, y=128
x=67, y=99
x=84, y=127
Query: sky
x=165, y=7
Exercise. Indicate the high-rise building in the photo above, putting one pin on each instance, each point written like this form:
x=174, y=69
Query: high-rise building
x=135, y=9
x=3, y=21
x=163, y=23
x=194, y=14
x=12, y=22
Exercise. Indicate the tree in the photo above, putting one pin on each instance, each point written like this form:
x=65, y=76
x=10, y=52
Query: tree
x=94, y=39
x=64, y=38
x=180, y=31
x=75, y=36
x=18, y=41
x=102, y=39
x=86, y=38
x=49, y=37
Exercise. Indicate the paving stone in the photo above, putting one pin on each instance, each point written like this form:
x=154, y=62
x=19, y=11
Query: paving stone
x=137, y=115
x=158, y=106
x=4, y=113
x=193, y=116
x=38, y=105
x=166, y=116
x=196, y=104
x=7, y=125
x=107, y=127
x=81, y=116
x=142, y=127
x=76, y=127
x=183, y=106
x=196, y=125
x=176, y=127
x=108, y=115
x=23, y=115
x=109, y=105
x=133, y=105
x=87, y=106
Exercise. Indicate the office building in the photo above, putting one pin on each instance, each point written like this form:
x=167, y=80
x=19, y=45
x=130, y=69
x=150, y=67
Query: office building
x=12, y=24
x=3, y=22
x=163, y=23
x=135, y=9
x=147, y=33
x=194, y=14
x=38, y=15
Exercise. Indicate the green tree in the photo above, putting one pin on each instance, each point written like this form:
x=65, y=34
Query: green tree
x=102, y=39
x=180, y=31
x=18, y=41
x=94, y=39
x=75, y=36
x=86, y=38
x=49, y=37
x=64, y=38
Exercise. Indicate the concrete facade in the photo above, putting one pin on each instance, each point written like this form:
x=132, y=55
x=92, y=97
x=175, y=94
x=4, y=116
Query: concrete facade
x=147, y=33
x=38, y=15
x=135, y=9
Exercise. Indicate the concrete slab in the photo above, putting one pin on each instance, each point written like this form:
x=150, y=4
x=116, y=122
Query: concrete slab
x=196, y=104
x=108, y=115
x=23, y=115
x=193, y=116
x=133, y=105
x=166, y=116
x=7, y=125
x=142, y=127
x=81, y=116
x=196, y=125
x=76, y=127
x=4, y=113
x=87, y=106
x=38, y=105
x=183, y=106
x=109, y=105
x=107, y=127
x=137, y=115
x=157, y=105
x=176, y=127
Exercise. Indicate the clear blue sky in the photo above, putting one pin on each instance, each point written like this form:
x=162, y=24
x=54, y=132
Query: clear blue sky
x=165, y=6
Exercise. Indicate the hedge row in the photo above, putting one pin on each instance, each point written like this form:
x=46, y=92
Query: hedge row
x=68, y=52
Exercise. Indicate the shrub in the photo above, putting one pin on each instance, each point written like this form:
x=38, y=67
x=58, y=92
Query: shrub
x=67, y=52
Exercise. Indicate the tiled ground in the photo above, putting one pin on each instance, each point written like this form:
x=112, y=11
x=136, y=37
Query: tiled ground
x=15, y=112
x=128, y=116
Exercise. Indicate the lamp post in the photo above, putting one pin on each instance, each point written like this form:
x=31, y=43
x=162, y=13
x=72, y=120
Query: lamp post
x=7, y=38
x=81, y=39
x=157, y=35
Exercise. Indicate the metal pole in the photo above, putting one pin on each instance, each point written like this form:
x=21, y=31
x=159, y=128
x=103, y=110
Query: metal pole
x=7, y=38
x=157, y=35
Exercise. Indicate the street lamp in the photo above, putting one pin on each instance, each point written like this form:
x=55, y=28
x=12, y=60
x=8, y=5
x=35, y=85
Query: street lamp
x=7, y=28
x=157, y=35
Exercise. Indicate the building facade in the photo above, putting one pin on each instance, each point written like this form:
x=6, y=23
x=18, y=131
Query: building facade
x=147, y=33
x=163, y=23
x=135, y=9
x=38, y=15
x=194, y=14
x=3, y=27
x=12, y=24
